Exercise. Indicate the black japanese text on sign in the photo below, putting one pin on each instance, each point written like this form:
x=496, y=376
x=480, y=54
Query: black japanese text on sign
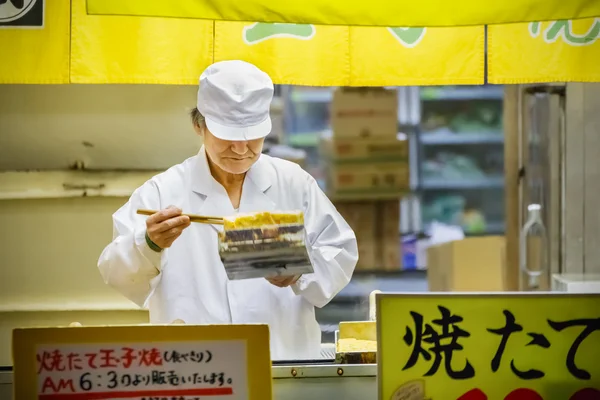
x=451, y=346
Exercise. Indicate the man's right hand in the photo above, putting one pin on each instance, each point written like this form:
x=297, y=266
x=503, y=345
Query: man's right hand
x=165, y=226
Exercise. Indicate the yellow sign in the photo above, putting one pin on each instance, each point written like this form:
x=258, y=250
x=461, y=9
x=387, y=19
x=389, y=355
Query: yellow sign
x=138, y=50
x=553, y=51
x=34, y=42
x=351, y=56
x=381, y=13
x=133, y=362
x=488, y=346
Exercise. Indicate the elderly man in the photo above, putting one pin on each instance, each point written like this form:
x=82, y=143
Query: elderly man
x=174, y=268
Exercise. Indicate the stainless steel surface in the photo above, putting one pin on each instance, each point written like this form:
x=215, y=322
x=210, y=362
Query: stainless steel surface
x=348, y=382
x=582, y=179
x=559, y=147
x=555, y=178
x=297, y=382
x=324, y=371
x=591, y=131
x=574, y=180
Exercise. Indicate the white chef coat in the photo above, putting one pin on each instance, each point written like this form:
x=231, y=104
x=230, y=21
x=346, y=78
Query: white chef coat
x=187, y=281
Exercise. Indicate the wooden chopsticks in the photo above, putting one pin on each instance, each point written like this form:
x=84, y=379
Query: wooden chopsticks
x=202, y=219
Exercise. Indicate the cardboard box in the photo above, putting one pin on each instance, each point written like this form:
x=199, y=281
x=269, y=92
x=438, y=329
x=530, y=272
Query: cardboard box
x=368, y=259
x=390, y=255
x=361, y=218
x=363, y=128
x=368, y=177
x=389, y=215
x=359, y=215
x=341, y=149
x=364, y=113
x=376, y=226
x=471, y=264
x=388, y=231
x=363, y=98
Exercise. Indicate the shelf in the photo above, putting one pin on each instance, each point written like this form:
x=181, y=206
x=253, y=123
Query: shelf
x=427, y=94
x=366, y=196
x=70, y=183
x=60, y=306
x=312, y=139
x=309, y=139
x=438, y=94
x=312, y=96
x=363, y=283
x=474, y=183
x=400, y=273
x=492, y=228
x=277, y=105
x=496, y=227
x=447, y=137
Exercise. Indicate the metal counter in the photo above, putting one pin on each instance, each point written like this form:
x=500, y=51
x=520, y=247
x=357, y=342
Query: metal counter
x=297, y=382
x=5, y=385
x=325, y=382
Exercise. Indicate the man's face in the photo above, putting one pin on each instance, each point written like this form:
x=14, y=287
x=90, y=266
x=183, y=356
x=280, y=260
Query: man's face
x=234, y=157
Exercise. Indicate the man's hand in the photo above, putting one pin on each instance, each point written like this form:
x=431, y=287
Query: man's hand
x=165, y=226
x=283, y=281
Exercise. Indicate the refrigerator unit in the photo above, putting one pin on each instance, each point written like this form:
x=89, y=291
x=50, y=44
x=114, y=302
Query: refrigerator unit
x=552, y=185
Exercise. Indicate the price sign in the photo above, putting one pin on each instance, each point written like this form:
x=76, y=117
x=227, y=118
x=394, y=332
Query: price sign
x=481, y=346
x=144, y=362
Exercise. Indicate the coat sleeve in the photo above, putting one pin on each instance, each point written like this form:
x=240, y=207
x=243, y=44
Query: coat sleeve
x=331, y=246
x=127, y=263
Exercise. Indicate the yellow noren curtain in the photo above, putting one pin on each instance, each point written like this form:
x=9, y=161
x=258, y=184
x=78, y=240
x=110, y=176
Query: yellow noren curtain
x=70, y=45
x=382, y=13
x=37, y=54
x=417, y=56
x=320, y=55
x=110, y=49
x=554, y=51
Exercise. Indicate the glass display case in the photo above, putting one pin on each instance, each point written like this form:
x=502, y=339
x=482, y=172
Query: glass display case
x=461, y=158
x=306, y=117
x=456, y=146
x=456, y=152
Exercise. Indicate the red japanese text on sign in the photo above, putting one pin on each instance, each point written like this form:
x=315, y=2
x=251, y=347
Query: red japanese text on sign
x=111, y=371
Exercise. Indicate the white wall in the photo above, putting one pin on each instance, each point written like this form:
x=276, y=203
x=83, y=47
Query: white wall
x=105, y=126
x=49, y=247
x=48, y=271
x=49, y=253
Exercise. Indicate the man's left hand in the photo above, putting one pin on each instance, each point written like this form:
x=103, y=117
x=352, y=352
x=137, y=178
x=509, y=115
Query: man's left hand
x=283, y=281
